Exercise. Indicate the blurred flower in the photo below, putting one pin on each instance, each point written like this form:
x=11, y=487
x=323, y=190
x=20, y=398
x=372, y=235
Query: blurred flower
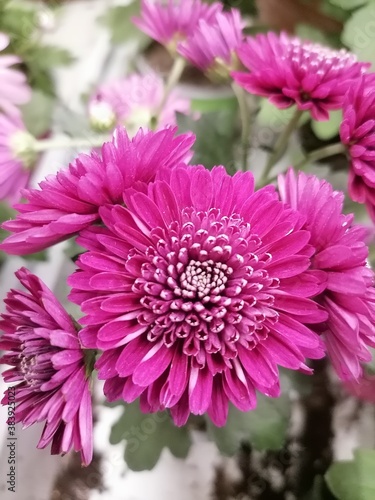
x=341, y=253
x=290, y=71
x=363, y=388
x=196, y=292
x=211, y=47
x=48, y=367
x=13, y=87
x=68, y=201
x=134, y=101
x=357, y=132
x=17, y=157
x=171, y=21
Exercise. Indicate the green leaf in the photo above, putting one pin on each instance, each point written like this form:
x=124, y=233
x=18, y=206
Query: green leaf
x=353, y=480
x=118, y=20
x=276, y=119
x=359, y=33
x=348, y=4
x=215, y=132
x=326, y=130
x=146, y=435
x=265, y=427
x=216, y=104
x=37, y=113
x=49, y=56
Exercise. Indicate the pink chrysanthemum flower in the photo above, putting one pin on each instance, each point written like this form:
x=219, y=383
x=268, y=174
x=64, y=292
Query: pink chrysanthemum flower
x=17, y=157
x=69, y=201
x=13, y=87
x=211, y=47
x=357, y=132
x=170, y=21
x=196, y=292
x=48, y=367
x=341, y=253
x=290, y=71
x=133, y=101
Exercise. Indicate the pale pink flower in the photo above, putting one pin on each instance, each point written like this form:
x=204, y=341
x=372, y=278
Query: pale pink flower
x=17, y=157
x=133, y=101
x=13, y=85
x=196, y=292
x=48, y=371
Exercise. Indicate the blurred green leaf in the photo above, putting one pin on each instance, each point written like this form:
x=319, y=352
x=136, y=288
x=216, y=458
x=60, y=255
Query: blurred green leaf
x=215, y=133
x=216, y=104
x=37, y=113
x=265, y=427
x=353, y=480
x=146, y=434
x=349, y=4
x=359, y=33
x=308, y=32
x=326, y=130
x=118, y=20
x=49, y=56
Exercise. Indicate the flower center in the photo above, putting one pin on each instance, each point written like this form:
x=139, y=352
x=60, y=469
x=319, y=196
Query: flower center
x=201, y=279
x=35, y=363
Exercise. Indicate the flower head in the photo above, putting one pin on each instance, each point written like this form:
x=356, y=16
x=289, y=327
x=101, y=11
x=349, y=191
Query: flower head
x=13, y=87
x=196, y=292
x=133, y=101
x=69, y=201
x=17, y=157
x=290, y=71
x=357, y=132
x=341, y=253
x=171, y=21
x=211, y=47
x=48, y=367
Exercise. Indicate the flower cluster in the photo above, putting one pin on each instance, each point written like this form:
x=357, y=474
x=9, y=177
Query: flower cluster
x=195, y=287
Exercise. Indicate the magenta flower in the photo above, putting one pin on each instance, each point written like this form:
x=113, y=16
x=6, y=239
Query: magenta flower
x=69, y=201
x=16, y=157
x=169, y=22
x=13, y=87
x=196, y=292
x=341, y=253
x=133, y=101
x=211, y=47
x=290, y=71
x=48, y=367
x=357, y=132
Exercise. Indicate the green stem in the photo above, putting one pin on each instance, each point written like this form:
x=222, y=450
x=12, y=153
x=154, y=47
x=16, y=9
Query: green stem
x=321, y=153
x=245, y=122
x=68, y=143
x=173, y=78
x=281, y=144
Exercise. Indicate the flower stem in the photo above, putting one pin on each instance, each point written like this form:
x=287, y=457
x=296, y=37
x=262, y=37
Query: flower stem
x=173, y=78
x=321, y=153
x=281, y=144
x=68, y=143
x=245, y=122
